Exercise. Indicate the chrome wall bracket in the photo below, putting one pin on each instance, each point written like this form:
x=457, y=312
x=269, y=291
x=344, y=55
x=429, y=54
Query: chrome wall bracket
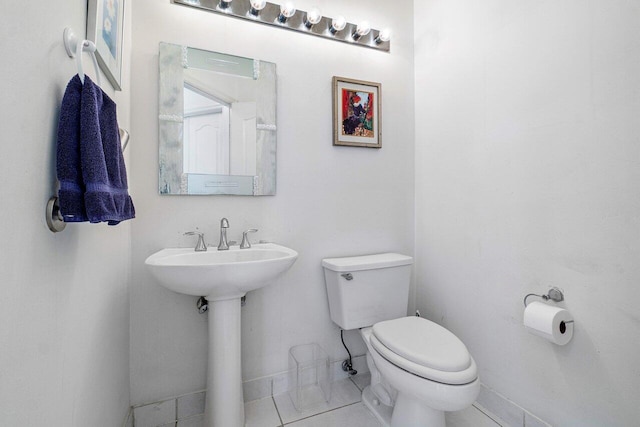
x=270, y=15
x=55, y=222
x=554, y=294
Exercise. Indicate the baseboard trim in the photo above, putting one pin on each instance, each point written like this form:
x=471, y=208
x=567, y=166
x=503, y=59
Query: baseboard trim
x=504, y=411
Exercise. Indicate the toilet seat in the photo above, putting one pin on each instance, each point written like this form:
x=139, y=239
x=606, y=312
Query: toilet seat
x=425, y=349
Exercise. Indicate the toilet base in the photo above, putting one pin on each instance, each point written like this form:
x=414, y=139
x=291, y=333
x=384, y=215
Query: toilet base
x=408, y=413
x=411, y=412
x=381, y=411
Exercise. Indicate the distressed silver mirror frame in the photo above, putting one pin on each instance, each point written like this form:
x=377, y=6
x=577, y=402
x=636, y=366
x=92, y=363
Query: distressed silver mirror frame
x=173, y=63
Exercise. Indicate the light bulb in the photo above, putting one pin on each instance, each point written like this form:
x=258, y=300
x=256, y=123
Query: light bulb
x=383, y=36
x=337, y=24
x=313, y=17
x=287, y=10
x=257, y=6
x=362, y=29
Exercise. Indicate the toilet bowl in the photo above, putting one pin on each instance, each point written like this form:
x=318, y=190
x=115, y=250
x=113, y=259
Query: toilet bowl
x=425, y=381
x=418, y=368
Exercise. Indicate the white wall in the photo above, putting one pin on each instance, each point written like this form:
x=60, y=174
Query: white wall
x=330, y=201
x=64, y=304
x=527, y=177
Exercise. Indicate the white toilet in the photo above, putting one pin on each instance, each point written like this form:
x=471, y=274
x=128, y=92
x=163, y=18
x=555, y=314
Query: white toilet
x=419, y=369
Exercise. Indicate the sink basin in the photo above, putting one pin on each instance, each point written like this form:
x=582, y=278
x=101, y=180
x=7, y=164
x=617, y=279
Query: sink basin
x=220, y=274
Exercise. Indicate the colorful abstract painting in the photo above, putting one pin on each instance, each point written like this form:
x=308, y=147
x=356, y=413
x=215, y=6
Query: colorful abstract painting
x=356, y=106
x=357, y=113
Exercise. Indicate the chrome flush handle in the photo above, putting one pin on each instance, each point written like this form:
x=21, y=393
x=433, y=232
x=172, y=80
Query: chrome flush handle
x=347, y=276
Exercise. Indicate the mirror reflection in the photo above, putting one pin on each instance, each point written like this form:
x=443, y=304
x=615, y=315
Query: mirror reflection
x=217, y=123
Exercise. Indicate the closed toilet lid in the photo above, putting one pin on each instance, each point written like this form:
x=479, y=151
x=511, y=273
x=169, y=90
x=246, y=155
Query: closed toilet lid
x=425, y=349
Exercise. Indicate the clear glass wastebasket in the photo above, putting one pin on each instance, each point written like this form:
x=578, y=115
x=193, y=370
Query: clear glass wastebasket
x=309, y=376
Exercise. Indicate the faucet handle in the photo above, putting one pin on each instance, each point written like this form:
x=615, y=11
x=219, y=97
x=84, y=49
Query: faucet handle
x=245, y=240
x=201, y=246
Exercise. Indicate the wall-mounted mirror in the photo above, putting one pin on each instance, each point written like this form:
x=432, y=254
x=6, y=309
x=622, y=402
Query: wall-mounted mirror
x=217, y=123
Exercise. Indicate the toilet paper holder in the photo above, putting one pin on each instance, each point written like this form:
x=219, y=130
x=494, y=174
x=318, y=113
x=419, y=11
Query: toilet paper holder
x=552, y=323
x=554, y=294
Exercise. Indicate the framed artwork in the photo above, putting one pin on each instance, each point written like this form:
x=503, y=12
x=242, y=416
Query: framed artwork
x=356, y=113
x=105, y=21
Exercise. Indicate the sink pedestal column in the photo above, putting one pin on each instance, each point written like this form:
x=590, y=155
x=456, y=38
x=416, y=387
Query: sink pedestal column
x=224, y=406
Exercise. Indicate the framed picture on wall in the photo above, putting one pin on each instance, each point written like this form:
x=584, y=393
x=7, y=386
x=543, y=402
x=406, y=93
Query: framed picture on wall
x=356, y=113
x=105, y=21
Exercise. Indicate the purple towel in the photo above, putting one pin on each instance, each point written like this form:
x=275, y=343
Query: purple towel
x=90, y=166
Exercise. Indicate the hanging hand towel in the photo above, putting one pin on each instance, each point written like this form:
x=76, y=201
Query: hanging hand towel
x=106, y=194
x=90, y=160
x=71, y=193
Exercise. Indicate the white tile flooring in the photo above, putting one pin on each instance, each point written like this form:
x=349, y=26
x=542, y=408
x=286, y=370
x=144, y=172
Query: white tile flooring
x=345, y=409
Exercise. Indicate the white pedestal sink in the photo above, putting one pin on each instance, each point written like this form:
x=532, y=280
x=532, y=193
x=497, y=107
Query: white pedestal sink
x=223, y=277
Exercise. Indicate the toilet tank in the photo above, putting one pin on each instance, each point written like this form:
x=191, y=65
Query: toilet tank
x=365, y=290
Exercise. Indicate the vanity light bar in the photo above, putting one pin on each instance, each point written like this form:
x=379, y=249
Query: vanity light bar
x=272, y=14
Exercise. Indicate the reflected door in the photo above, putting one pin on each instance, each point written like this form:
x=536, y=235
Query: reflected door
x=206, y=145
x=243, y=137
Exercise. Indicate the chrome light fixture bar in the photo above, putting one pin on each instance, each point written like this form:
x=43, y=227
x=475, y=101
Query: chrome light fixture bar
x=299, y=21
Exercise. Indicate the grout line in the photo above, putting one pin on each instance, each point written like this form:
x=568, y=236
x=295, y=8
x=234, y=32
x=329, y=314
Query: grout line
x=488, y=414
x=354, y=383
x=277, y=410
x=128, y=417
x=191, y=417
x=271, y=384
x=324, y=412
x=138, y=405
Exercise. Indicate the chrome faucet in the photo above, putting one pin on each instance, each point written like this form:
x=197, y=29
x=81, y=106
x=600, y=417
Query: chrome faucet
x=223, y=245
x=245, y=240
x=201, y=246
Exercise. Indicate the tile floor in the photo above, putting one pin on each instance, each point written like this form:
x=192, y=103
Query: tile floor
x=345, y=409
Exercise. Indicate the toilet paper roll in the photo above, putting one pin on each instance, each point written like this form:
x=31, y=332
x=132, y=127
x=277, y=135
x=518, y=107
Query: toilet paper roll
x=549, y=322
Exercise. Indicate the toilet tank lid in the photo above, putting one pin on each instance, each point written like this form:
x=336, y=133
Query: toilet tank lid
x=366, y=262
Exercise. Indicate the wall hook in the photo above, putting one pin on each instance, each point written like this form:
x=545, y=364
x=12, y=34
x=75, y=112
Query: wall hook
x=70, y=41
